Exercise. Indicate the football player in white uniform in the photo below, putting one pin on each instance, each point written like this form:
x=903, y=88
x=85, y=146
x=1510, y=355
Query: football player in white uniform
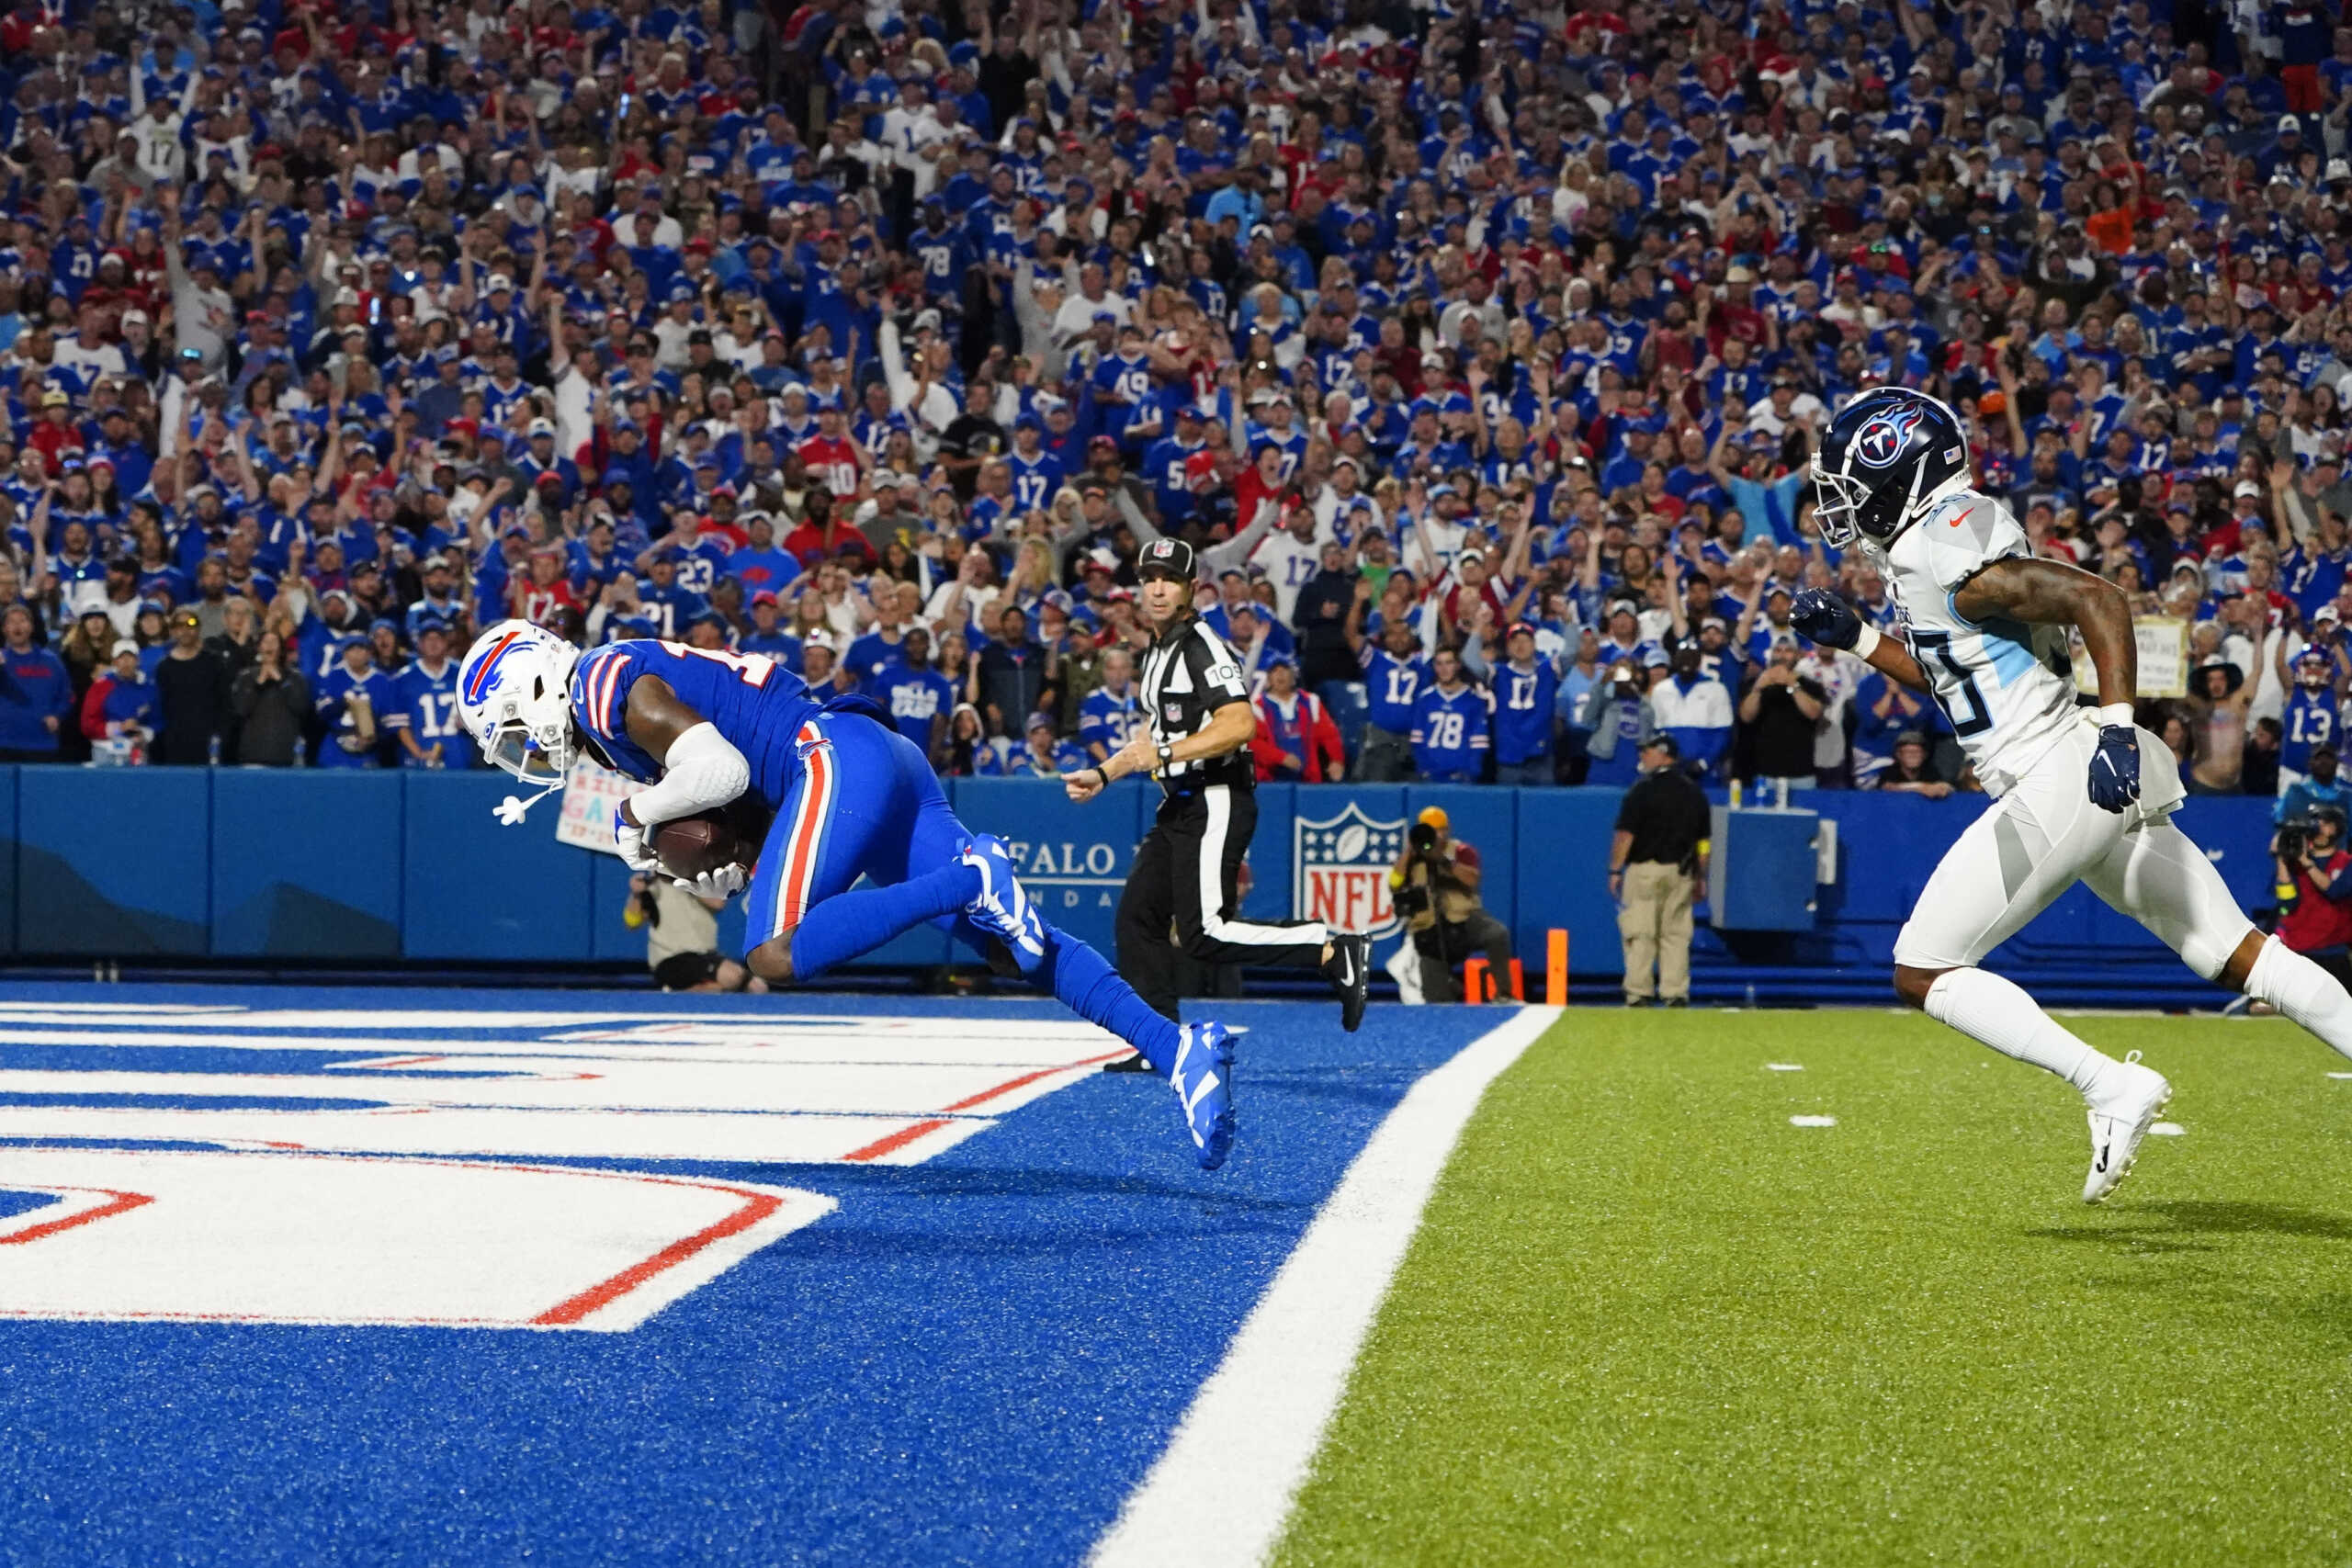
x=2081, y=793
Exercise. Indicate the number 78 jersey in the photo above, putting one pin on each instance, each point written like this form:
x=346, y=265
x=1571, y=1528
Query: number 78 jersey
x=756, y=702
x=2006, y=687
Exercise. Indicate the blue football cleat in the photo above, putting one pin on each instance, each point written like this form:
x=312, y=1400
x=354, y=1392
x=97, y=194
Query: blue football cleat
x=1203, y=1079
x=1003, y=910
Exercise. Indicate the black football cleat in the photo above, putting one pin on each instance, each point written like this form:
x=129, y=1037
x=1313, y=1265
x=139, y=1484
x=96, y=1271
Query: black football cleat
x=1349, y=971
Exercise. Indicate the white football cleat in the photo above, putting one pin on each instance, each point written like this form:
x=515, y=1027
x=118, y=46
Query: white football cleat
x=2120, y=1123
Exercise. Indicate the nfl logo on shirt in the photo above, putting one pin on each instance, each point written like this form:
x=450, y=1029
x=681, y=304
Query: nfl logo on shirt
x=1342, y=871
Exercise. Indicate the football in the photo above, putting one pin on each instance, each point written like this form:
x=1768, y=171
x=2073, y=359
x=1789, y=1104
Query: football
x=725, y=835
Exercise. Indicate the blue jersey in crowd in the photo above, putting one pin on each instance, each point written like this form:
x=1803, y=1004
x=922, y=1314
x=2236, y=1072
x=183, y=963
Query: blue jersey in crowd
x=336, y=689
x=1450, y=739
x=1393, y=687
x=425, y=704
x=1523, y=701
x=34, y=690
x=1107, y=720
x=915, y=695
x=2309, y=720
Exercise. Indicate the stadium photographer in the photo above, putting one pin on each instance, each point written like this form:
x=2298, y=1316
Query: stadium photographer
x=1434, y=885
x=682, y=938
x=2314, y=888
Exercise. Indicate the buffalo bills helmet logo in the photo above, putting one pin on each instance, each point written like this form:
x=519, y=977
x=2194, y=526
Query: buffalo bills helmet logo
x=1882, y=441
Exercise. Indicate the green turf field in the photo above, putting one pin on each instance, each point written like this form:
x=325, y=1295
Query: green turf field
x=1649, y=1321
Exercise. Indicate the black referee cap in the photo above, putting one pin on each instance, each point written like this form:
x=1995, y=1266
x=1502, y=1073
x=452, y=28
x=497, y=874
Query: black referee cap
x=1166, y=558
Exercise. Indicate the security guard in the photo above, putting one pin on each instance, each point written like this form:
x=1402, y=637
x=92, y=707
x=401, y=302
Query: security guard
x=1196, y=702
x=1657, y=862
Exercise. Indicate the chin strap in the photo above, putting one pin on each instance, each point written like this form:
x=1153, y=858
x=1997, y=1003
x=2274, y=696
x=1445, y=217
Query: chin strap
x=510, y=811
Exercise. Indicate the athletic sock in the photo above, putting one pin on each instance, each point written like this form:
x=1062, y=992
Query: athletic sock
x=860, y=920
x=1999, y=1013
x=1085, y=983
x=2304, y=991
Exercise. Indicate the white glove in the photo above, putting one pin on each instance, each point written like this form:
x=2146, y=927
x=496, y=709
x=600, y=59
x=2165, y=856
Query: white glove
x=724, y=883
x=629, y=839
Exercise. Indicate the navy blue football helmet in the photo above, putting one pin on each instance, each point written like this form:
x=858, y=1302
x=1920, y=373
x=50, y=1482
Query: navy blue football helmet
x=1888, y=455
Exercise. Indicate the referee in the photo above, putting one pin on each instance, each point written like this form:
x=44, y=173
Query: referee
x=1186, y=871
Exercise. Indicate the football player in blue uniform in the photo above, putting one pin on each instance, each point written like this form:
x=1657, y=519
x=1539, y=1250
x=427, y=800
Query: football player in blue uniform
x=853, y=798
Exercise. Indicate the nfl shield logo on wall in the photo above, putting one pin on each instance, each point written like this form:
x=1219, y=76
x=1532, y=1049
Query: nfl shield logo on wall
x=1342, y=871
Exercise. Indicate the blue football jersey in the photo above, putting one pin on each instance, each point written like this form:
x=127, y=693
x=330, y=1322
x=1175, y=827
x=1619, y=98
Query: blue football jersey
x=426, y=706
x=2309, y=720
x=757, y=703
x=1450, y=735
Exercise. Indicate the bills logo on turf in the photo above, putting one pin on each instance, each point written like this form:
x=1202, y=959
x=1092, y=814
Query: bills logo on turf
x=1882, y=441
x=1341, y=870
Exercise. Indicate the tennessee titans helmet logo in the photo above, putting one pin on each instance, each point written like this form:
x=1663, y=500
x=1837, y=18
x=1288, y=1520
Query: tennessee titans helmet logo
x=1882, y=441
x=1887, y=455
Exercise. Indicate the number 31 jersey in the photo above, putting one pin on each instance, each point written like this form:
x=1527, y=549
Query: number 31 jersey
x=2006, y=687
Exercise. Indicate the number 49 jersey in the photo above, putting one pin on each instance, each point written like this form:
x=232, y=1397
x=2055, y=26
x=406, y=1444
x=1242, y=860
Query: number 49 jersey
x=755, y=702
x=2006, y=687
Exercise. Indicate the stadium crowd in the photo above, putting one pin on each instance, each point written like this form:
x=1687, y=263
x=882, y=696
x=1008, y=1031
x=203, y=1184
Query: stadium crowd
x=1479, y=348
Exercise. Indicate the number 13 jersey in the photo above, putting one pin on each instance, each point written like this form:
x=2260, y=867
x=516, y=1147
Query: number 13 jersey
x=2006, y=687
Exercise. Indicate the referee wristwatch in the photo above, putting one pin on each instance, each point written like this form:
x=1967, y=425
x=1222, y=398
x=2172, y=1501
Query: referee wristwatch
x=1167, y=755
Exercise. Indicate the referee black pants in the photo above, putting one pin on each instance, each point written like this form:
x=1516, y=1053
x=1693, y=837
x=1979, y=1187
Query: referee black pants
x=1182, y=896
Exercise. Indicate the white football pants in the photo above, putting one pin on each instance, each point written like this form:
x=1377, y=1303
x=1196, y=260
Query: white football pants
x=2044, y=836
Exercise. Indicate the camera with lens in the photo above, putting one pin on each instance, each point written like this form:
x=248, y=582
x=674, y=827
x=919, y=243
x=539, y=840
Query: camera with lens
x=1422, y=836
x=1410, y=900
x=2294, y=838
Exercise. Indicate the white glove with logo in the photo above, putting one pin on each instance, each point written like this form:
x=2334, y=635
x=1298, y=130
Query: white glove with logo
x=724, y=883
x=629, y=839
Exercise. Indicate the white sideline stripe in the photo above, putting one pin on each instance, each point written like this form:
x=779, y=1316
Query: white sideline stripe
x=1222, y=1491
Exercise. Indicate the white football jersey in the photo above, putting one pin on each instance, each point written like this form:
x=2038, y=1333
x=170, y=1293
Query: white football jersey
x=2006, y=687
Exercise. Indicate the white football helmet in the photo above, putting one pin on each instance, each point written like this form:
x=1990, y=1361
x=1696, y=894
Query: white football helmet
x=513, y=699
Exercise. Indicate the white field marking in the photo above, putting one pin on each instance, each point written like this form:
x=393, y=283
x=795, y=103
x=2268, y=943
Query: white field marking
x=2168, y=1130
x=750, y=1137
x=886, y=1049
x=1221, y=1491
x=256, y=1237
x=1782, y=1067
x=623, y=1019
x=554, y=1084
x=12, y=1009
x=2340, y=1075
x=1813, y=1121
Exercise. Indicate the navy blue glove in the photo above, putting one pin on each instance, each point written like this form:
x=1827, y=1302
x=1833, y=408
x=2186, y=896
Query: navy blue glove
x=1825, y=618
x=2115, y=768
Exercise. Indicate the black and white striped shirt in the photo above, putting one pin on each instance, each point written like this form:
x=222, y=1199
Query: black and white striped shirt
x=1188, y=675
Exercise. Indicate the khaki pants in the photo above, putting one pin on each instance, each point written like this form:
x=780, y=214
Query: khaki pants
x=1654, y=924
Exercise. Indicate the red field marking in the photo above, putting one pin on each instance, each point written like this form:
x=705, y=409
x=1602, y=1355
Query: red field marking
x=123, y=1203
x=1027, y=1078
x=894, y=1142
x=757, y=1206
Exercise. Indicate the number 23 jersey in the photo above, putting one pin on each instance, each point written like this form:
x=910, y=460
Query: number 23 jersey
x=2006, y=687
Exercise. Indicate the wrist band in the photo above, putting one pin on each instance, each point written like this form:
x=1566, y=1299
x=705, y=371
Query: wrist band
x=1867, y=644
x=2116, y=712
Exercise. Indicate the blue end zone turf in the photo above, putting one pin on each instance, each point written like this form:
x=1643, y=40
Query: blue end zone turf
x=969, y=1359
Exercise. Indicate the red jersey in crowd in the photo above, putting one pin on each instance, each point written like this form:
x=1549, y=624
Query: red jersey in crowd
x=1297, y=727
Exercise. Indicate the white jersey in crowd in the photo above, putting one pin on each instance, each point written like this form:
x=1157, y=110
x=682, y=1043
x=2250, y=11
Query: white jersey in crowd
x=2007, y=687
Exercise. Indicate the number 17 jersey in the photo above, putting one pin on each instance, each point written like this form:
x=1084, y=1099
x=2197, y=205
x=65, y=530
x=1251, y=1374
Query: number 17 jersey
x=755, y=702
x=2006, y=686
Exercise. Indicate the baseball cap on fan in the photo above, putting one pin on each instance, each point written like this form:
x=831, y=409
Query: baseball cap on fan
x=1166, y=558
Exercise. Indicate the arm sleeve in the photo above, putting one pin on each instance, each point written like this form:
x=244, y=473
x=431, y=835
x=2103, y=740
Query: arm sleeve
x=704, y=770
x=1216, y=672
